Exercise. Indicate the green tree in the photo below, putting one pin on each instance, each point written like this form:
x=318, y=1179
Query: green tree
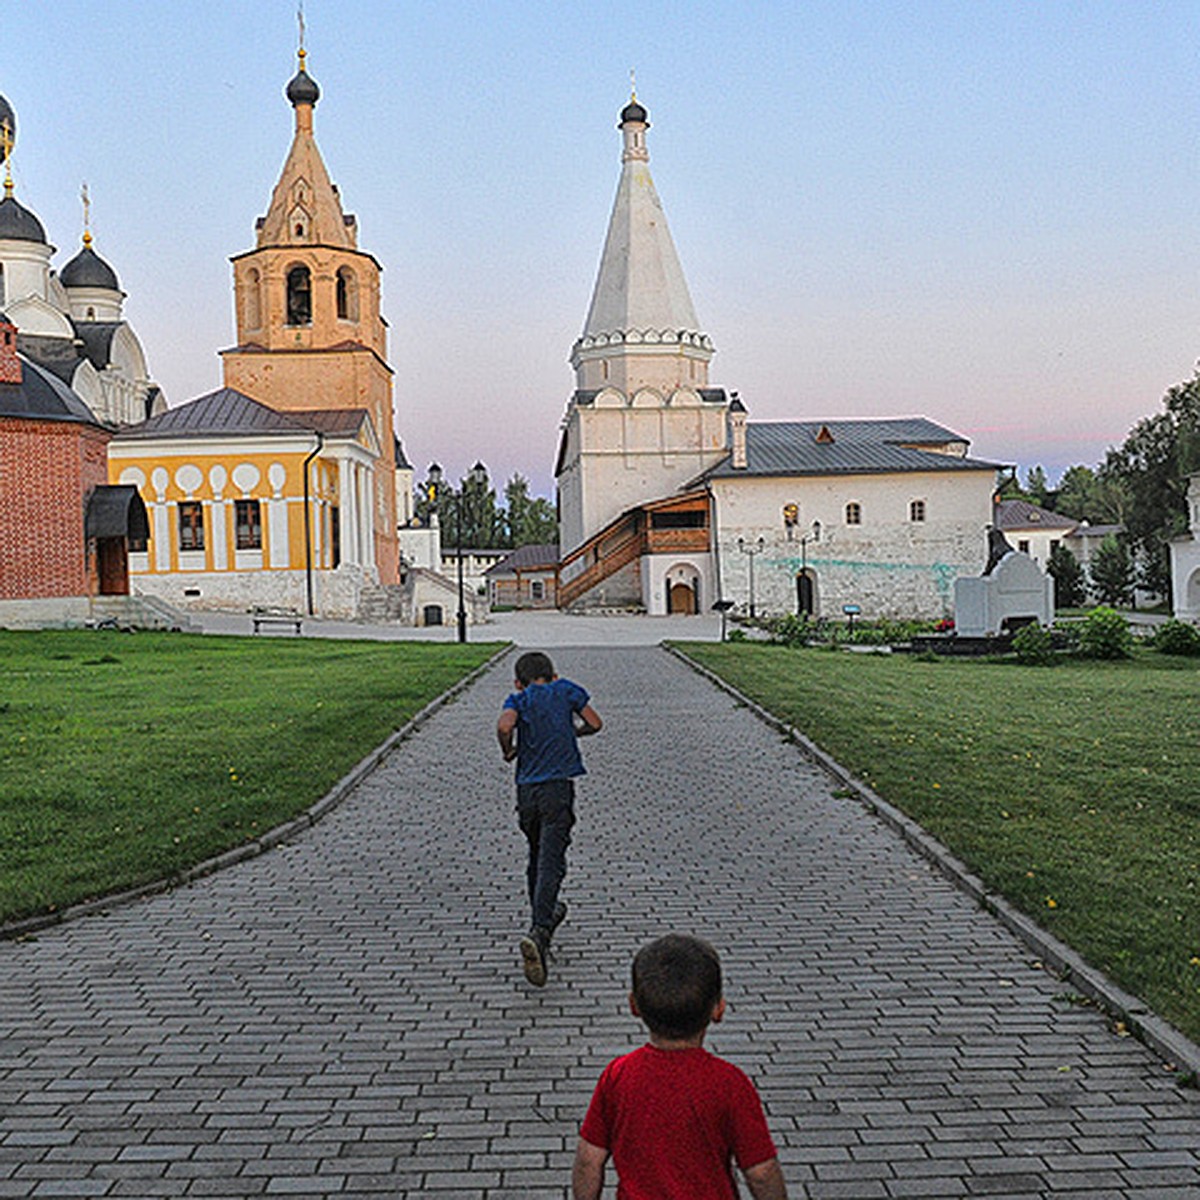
x=1086, y=496
x=1070, y=584
x=1112, y=571
x=1152, y=465
x=528, y=520
x=1035, y=486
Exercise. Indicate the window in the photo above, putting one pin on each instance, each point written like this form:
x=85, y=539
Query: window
x=1023, y=545
x=854, y=513
x=916, y=510
x=249, y=524
x=1054, y=544
x=537, y=589
x=684, y=519
x=299, y=296
x=347, y=295
x=191, y=525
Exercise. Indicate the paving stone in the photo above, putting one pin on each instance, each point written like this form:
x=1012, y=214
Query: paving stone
x=346, y=1015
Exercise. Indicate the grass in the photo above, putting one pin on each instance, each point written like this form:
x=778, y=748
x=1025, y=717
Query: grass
x=1073, y=791
x=126, y=759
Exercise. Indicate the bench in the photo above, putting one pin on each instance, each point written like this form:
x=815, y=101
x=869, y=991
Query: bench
x=261, y=618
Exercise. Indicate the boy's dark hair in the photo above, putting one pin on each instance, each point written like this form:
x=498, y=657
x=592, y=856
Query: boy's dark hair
x=676, y=984
x=532, y=666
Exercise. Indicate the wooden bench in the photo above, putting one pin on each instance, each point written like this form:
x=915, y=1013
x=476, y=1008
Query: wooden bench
x=264, y=618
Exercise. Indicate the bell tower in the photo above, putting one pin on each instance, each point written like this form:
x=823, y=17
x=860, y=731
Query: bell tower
x=310, y=334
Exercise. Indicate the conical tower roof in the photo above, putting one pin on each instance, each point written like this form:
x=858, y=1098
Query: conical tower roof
x=640, y=286
x=305, y=208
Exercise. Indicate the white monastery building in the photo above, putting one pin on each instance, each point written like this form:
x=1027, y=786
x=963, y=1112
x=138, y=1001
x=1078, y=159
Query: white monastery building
x=671, y=499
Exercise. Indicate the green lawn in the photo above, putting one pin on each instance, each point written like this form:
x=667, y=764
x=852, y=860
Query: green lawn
x=1073, y=790
x=127, y=758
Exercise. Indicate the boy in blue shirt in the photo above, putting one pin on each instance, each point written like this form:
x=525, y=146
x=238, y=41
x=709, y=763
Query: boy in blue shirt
x=539, y=726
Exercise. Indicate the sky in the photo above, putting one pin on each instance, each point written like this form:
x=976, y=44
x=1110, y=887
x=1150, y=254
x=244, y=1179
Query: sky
x=980, y=212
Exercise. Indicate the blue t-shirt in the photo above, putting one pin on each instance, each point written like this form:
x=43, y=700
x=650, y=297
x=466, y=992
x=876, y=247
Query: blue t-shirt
x=547, y=747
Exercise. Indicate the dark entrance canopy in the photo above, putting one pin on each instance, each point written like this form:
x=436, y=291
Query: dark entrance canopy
x=115, y=510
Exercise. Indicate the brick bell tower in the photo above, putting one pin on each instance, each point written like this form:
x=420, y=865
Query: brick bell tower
x=310, y=334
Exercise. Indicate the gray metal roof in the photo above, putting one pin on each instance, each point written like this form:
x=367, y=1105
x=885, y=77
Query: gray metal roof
x=527, y=558
x=855, y=447
x=42, y=396
x=88, y=269
x=1021, y=514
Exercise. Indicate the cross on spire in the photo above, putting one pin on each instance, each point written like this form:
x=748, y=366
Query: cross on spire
x=6, y=143
x=87, y=214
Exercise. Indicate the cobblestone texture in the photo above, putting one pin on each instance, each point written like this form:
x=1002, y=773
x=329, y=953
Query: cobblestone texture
x=346, y=1016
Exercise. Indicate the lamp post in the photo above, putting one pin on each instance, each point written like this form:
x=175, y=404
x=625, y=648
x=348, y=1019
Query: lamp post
x=751, y=551
x=478, y=477
x=805, y=596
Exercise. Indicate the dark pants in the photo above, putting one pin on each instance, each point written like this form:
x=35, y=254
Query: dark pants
x=546, y=812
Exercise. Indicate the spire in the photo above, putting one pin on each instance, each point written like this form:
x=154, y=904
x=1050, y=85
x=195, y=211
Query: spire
x=87, y=214
x=640, y=285
x=7, y=125
x=305, y=208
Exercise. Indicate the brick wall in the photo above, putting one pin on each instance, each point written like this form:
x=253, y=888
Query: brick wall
x=47, y=469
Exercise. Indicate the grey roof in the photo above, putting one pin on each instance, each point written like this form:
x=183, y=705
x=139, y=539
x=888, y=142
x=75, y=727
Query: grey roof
x=42, y=396
x=18, y=223
x=88, y=269
x=401, y=458
x=856, y=447
x=526, y=558
x=58, y=355
x=230, y=413
x=1021, y=514
x=97, y=337
x=116, y=510
x=302, y=89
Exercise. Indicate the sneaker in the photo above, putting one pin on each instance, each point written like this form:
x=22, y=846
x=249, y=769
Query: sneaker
x=533, y=955
x=560, y=915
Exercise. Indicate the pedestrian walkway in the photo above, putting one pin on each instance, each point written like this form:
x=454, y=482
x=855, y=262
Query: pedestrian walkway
x=346, y=1015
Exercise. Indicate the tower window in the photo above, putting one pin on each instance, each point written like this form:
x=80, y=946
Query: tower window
x=299, y=296
x=347, y=295
x=916, y=510
x=853, y=513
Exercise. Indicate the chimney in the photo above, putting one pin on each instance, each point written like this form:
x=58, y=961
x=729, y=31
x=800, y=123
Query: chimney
x=737, y=433
x=10, y=364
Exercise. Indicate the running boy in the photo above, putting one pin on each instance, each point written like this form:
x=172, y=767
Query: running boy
x=673, y=1117
x=538, y=728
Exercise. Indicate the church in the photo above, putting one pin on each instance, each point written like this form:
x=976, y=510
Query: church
x=279, y=489
x=671, y=499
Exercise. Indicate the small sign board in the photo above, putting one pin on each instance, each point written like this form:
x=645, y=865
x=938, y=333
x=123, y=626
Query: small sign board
x=851, y=610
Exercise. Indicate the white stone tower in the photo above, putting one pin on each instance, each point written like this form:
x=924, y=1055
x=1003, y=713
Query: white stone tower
x=643, y=419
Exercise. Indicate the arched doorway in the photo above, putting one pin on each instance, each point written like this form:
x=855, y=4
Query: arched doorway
x=806, y=594
x=682, y=600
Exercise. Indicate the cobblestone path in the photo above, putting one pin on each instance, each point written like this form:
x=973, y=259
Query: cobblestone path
x=345, y=1016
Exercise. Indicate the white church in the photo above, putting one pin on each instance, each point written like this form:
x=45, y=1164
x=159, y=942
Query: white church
x=671, y=499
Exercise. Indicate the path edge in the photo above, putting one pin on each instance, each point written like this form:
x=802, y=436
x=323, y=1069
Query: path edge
x=277, y=835
x=1177, y=1051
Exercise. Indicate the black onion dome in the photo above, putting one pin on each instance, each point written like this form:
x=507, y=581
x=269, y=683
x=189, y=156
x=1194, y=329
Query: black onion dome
x=88, y=269
x=633, y=111
x=7, y=114
x=303, y=89
x=18, y=223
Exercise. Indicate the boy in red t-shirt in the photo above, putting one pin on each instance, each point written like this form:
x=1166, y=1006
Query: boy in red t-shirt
x=673, y=1117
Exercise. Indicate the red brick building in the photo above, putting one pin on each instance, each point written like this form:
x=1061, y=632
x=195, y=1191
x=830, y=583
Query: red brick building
x=63, y=530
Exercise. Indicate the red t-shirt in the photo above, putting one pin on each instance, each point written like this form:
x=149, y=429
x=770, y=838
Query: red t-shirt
x=674, y=1122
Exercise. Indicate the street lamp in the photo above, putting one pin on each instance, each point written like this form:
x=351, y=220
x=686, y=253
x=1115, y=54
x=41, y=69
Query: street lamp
x=478, y=477
x=750, y=551
x=805, y=597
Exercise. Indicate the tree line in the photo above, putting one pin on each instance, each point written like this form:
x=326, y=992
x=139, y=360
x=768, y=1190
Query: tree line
x=486, y=523
x=1141, y=486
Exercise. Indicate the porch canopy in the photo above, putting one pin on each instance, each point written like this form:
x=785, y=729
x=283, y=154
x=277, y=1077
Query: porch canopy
x=116, y=510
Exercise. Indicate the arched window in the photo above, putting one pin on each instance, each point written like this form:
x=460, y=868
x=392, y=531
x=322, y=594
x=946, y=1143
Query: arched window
x=299, y=296
x=854, y=513
x=253, y=303
x=347, y=295
x=916, y=510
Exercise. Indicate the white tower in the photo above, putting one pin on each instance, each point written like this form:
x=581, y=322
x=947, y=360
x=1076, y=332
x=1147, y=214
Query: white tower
x=643, y=419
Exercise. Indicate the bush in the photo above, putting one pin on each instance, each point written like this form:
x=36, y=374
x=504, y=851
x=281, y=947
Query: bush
x=1104, y=633
x=791, y=630
x=1034, y=646
x=1177, y=637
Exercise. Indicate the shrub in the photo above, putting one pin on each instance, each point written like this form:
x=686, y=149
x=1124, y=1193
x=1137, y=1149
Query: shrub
x=1104, y=633
x=1177, y=637
x=790, y=630
x=1034, y=646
